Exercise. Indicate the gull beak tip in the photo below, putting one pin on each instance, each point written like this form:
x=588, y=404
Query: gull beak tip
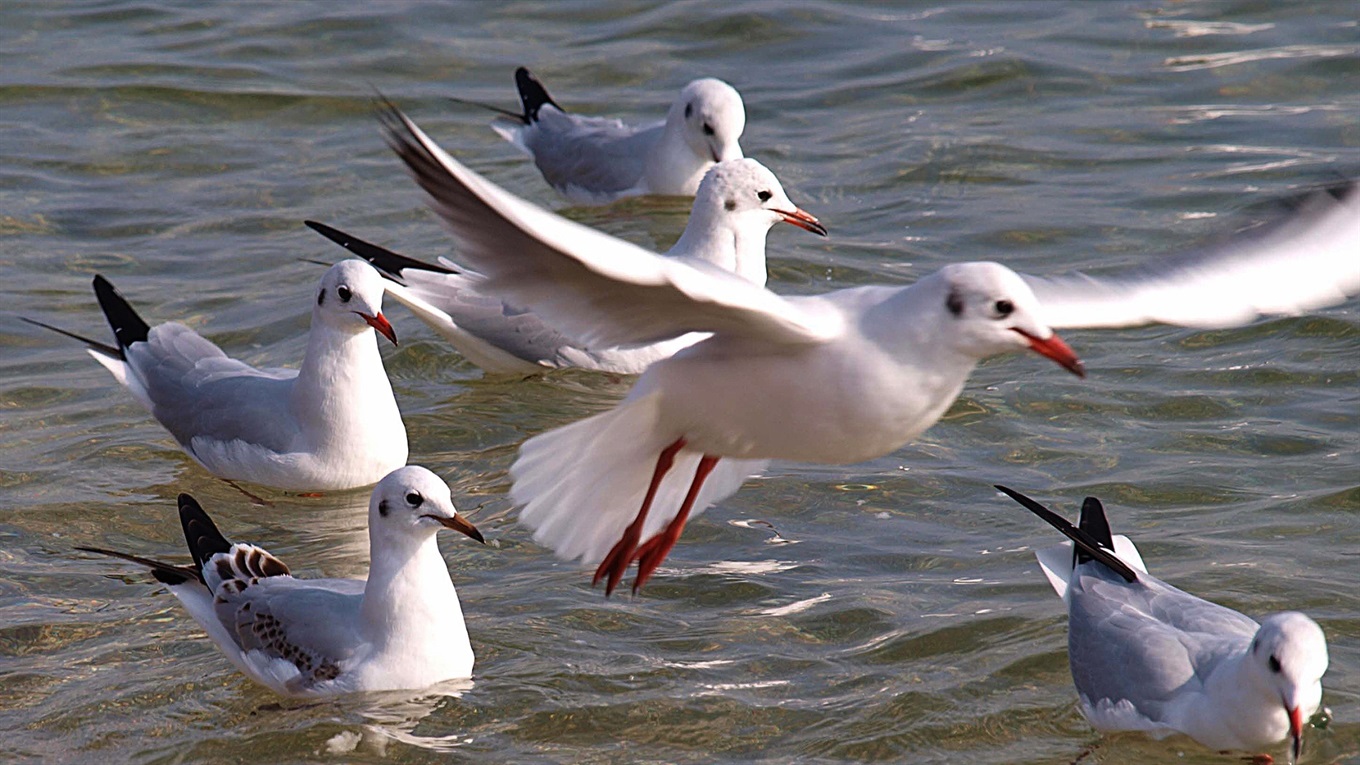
x=804, y=220
x=382, y=325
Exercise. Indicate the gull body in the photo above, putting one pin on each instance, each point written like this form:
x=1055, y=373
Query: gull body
x=333, y=423
x=833, y=378
x=1147, y=656
x=401, y=628
x=737, y=204
x=594, y=160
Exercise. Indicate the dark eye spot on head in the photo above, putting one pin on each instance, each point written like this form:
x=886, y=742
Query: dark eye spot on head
x=730, y=205
x=954, y=303
x=764, y=195
x=689, y=110
x=414, y=499
x=382, y=508
x=344, y=293
x=708, y=129
x=1004, y=308
x=321, y=296
x=1275, y=664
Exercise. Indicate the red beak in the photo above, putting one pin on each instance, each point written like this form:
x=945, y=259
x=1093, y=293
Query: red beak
x=1295, y=732
x=803, y=220
x=381, y=324
x=1054, y=348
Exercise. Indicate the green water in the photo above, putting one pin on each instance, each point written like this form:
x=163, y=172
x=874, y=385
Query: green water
x=884, y=611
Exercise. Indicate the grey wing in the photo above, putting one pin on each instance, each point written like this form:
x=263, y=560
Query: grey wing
x=1123, y=648
x=519, y=332
x=272, y=617
x=592, y=154
x=1307, y=260
x=195, y=390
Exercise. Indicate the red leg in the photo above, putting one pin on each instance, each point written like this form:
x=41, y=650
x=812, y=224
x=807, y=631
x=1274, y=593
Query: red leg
x=621, y=555
x=650, y=555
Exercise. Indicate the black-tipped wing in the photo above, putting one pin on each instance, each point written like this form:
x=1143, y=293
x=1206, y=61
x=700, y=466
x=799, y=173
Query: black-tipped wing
x=1093, y=521
x=166, y=573
x=1308, y=259
x=532, y=94
x=128, y=327
x=597, y=289
x=389, y=263
x=1084, y=541
x=200, y=533
x=103, y=348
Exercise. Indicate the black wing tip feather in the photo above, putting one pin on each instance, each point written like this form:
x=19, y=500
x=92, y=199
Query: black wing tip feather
x=103, y=348
x=532, y=94
x=1082, y=539
x=200, y=533
x=128, y=327
x=1093, y=521
x=165, y=573
x=383, y=259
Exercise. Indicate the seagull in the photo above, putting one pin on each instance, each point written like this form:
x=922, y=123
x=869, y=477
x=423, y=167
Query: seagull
x=596, y=160
x=737, y=204
x=1147, y=656
x=402, y=628
x=331, y=424
x=836, y=378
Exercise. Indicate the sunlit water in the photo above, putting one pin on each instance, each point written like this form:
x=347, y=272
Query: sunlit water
x=888, y=610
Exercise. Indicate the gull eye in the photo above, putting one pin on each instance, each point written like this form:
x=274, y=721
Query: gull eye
x=1004, y=308
x=344, y=293
x=764, y=195
x=414, y=499
x=708, y=129
x=1275, y=664
x=689, y=110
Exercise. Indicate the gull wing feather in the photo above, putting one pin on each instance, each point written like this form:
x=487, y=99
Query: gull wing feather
x=196, y=391
x=1307, y=260
x=1145, y=643
x=271, y=617
x=595, y=155
x=595, y=288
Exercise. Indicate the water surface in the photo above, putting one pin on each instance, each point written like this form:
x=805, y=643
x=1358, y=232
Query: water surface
x=890, y=610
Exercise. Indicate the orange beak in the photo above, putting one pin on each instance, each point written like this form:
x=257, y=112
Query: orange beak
x=803, y=220
x=381, y=324
x=459, y=524
x=1054, y=348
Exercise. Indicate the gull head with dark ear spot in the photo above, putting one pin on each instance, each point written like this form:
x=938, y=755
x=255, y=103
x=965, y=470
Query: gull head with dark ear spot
x=743, y=189
x=349, y=298
x=713, y=116
x=1289, y=657
x=987, y=309
x=412, y=503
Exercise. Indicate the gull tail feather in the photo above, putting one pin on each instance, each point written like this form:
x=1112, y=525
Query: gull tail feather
x=581, y=485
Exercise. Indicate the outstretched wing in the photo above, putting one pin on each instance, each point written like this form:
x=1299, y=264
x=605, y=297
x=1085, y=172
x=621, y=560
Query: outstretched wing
x=1308, y=260
x=598, y=289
